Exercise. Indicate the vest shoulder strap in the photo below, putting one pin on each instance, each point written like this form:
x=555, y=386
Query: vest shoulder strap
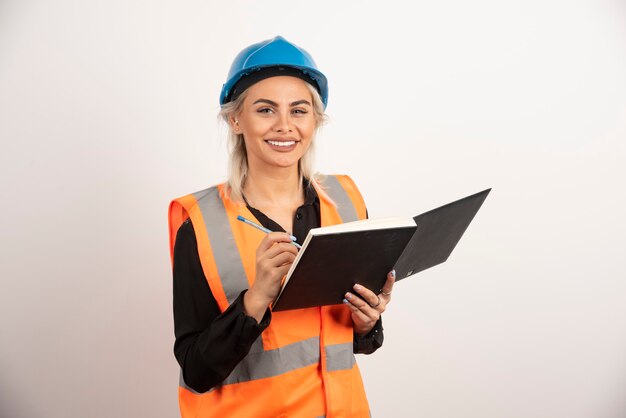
x=179, y=211
x=345, y=196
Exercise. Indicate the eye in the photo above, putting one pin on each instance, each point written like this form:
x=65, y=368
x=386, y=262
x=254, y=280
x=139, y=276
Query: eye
x=265, y=110
x=300, y=111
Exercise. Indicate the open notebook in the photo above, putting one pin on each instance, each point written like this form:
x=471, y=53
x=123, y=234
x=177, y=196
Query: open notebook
x=334, y=258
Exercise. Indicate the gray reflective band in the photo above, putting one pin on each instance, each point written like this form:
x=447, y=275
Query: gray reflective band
x=257, y=345
x=225, y=252
x=270, y=363
x=339, y=357
x=275, y=362
x=336, y=192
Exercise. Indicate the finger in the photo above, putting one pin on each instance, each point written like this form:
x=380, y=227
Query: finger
x=279, y=248
x=358, y=315
x=369, y=296
x=272, y=238
x=363, y=315
x=282, y=259
x=279, y=272
x=267, y=265
x=364, y=306
x=388, y=286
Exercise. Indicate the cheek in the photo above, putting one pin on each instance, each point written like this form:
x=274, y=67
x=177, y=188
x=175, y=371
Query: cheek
x=307, y=128
x=253, y=130
x=249, y=139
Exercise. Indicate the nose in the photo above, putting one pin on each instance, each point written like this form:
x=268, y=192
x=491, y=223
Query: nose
x=283, y=122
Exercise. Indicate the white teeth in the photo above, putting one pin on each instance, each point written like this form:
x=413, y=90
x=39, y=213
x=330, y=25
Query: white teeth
x=282, y=143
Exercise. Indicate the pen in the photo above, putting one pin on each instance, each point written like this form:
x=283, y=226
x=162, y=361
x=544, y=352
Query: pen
x=267, y=231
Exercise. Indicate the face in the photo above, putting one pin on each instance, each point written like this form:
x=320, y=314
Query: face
x=277, y=121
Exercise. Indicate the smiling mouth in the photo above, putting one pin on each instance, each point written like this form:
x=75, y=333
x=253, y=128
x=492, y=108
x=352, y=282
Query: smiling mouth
x=281, y=143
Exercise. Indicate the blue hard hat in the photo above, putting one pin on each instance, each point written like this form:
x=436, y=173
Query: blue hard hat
x=270, y=58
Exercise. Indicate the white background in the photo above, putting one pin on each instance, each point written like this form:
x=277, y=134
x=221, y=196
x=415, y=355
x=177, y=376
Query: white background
x=108, y=110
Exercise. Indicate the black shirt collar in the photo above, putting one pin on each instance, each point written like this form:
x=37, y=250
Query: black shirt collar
x=310, y=195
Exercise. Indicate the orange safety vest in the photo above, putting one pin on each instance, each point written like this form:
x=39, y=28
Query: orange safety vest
x=303, y=364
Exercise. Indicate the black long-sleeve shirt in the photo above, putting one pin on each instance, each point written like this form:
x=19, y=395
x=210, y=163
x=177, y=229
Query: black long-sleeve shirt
x=209, y=343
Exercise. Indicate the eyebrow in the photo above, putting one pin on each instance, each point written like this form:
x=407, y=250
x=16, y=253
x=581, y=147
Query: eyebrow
x=273, y=103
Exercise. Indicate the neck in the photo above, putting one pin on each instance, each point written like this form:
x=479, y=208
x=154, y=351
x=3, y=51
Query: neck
x=280, y=186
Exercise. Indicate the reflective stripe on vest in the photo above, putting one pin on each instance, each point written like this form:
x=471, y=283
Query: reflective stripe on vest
x=259, y=365
x=340, y=197
x=226, y=254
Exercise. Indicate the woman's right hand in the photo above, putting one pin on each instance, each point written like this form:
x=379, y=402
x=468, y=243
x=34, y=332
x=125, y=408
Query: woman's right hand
x=274, y=257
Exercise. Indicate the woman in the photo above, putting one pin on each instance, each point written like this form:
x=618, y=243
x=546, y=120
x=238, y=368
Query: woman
x=238, y=358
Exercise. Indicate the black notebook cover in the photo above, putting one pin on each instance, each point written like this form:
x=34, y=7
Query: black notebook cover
x=438, y=232
x=333, y=263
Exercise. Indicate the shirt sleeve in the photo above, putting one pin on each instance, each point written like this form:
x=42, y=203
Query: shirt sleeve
x=209, y=343
x=371, y=342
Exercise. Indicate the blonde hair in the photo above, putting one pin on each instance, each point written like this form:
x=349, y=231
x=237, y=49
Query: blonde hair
x=237, y=154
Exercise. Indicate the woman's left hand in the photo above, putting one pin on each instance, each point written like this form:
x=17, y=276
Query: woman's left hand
x=366, y=311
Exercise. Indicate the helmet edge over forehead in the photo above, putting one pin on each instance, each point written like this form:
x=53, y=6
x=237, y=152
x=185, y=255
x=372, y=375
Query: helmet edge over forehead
x=275, y=52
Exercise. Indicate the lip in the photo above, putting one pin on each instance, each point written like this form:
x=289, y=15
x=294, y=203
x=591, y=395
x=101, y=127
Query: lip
x=282, y=148
x=282, y=139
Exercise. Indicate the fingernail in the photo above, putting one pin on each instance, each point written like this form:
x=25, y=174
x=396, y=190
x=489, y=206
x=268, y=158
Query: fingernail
x=348, y=296
x=293, y=238
x=393, y=274
x=357, y=287
x=345, y=301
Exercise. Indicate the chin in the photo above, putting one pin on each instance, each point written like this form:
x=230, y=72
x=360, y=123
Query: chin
x=286, y=163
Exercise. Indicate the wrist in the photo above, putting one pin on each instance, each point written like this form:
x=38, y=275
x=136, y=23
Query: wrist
x=367, y=331
x=254, y=306
x=362, y=333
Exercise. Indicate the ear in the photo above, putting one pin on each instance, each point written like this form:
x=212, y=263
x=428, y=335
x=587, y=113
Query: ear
x=233, y=121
